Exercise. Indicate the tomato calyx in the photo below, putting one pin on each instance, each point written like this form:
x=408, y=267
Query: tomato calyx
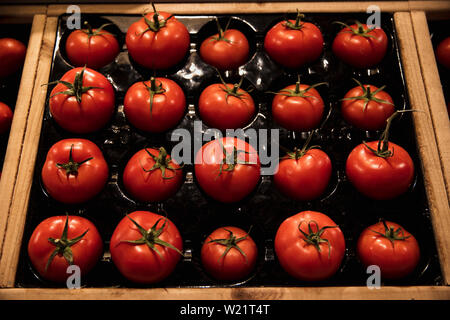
x=368, y=95
x=391, y=233
x=151, y=236
x=298, y=153
x=315, y=238
x=76, y=88
x=221, y=34
x=90, y=33
x=360, y=31
x=231, y=159
x=72, y=166
x=155, y=25
x=383, y=143
x=162, y=162
x=234, y=91
x=63, y=245
x=231, y=242
x=297, y=92
x=153, y=89
x=297, y=25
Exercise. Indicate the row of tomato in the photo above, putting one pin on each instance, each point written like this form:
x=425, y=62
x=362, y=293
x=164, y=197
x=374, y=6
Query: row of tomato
x=160, y=41
x=146, y=247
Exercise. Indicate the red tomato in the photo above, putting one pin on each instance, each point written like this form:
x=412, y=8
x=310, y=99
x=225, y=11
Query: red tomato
x=226, y=106
x=146, y=247
x=443, y=52
x=82, y=101
x=378, y=177
x=225, y=50
x=227, y=169
x=156, y=105
x=60, y=241
x=293, y=43
x=367, y=107
x=151, y=175
x=390, y=247
x=6, y=116
x=229, y=253
x=360, y=46
x=157, y=41
x=74, y=171
x=12, y=56
x=298, y=107
x=94, y=48
x=303, y=174
x=310, y=246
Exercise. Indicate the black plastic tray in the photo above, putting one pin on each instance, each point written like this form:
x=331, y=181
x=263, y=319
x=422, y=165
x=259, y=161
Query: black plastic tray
x=195, y=214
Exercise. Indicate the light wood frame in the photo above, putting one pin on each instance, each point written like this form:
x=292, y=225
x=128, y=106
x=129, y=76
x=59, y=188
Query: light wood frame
x=426, y=141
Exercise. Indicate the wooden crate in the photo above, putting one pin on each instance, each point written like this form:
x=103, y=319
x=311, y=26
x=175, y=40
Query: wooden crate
x=425, y=135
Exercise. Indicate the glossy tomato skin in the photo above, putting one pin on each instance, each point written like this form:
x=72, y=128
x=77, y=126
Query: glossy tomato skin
x=74, y=188
x=86, y=252
x=396, y=260
x=294, y=48
x=380, y=178
x=226, y=54
x=222, y=112
x=360, y=51
x=305, y=178
x=302, y=260
x=6, y=116
x=167, y=108
x=229, y=186
x=150, y=186
x=443, y=53
x=158, y=50
x=298, y=113
x=96, y=107
x=232, y=266
x=12, y=56
x=137, y=262
x=94, y=52
x=373, y=116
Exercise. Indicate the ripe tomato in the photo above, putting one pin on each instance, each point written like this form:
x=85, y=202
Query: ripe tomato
x=6, y=116
x=303, y=174
x=360, y=46
x=226, y=50
x=443, y=53
x=146, y=247
x=12, y=56
x=227, y=169
x=298, y=107
x=229, y=253
x=60, y=241
x=94, y=48
x=390, y=247
x=74, y=171
x=151, y=175
x=367, y=107
x=380, y=177
x=156, y=105
x=310, y=246
x=158, y=40
x=226, y=106
x=293, y=43
x=82, y=101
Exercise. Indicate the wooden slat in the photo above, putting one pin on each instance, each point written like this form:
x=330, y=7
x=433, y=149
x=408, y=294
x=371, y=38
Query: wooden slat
x=19, y=203
x=435, y=95
x=22, y=10
x=429, y=6
x=16, y=136
x=426, y=142
x=234, y=7
x=331, y=293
